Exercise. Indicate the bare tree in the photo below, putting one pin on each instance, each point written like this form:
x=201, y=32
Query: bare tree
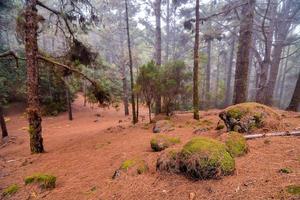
x=295, y=101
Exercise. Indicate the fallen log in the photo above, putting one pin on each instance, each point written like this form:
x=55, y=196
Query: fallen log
x=262, y=135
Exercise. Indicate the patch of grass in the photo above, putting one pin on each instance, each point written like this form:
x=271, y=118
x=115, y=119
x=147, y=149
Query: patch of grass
x=127, y=164
x=285, y=170
x=45, y=180
x=161, y=142
x=235, y=113
x=10, y=190
x=236, y=144
x=293, y=189
x=142, y=167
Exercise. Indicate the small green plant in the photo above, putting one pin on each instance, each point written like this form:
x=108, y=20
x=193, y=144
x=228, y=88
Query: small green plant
x=220, y=127
x=267, y=141
x=10, y=190
x=45, y=180
x=285, y=170
x=293, y=189
x=127, y=164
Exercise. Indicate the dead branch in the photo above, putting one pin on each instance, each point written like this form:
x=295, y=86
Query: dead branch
x=262, y=135
x=11, y=54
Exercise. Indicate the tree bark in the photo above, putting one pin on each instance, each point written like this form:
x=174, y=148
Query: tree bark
x=69, y=101
x=295, y=101
x=242, y=63
x=157, y=11
x=134, y=118
x=196, y=65
x=168, y=32
x=31, y=48
x=2, y=123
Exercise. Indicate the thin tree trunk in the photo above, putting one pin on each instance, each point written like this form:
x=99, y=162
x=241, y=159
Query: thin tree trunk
x=134, y=119
x=217, y=81
x=283, y=80
x=242, y=63
x=295, y=101
x=157, y=11
x=196, y=65
x=123, y=69
x=168, y=32
x=229, y=73
x=69, y=101
x=149, y=112
x=31, y=49
x=2, y=123
x=208, y=66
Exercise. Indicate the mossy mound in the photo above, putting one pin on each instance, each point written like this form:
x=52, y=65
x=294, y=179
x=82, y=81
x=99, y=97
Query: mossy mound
x=246, y=117
x=236, y=144
x=134, y=166
x=200, y=158
x=10, y=190
x=163, y=126
x=44, y=180
x=161, y=142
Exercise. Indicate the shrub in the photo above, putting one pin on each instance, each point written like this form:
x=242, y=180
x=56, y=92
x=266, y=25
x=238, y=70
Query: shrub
x=44, y=180
x=10, y=190
x=135, y=165
x=236, y=144
x=161, y=142
x=293, y=189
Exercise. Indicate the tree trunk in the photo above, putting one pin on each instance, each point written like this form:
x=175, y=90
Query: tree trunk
x=157, y=11
x=167, y=32
x=196, y=65
x=207, y=80
x=281, y=33
x=281, y=90
x=134, y=119
x=149, y=112
x=295, y=101
x=69, y=101
x=31, y=49
x=2, y=123
x=217, y=81
x=123, y=68
x=229, y=73
x=242, y=63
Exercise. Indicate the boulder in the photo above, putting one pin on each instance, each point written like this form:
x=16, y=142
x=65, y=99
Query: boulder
x=246, y=117
x=161, y=142
x=200, y=158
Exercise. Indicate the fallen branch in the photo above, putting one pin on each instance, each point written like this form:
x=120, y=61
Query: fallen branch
x=262, y=135
x=11, y=54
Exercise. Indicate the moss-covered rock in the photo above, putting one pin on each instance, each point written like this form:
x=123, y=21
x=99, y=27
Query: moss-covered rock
x=236, y=144
x=246, y=117
x=10, y=190
x=161, y=142
x=163, y=126
x=200, y=158
x=44, y=180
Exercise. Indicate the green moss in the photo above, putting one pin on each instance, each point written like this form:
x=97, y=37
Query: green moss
x=236, y=113
x=220, y=127
x=127, y=164
x=211, y=154
x=10, y=190
x=293, y=189
x=236, y=144
x=161, y=142
x=285, y=170
x=45, y=180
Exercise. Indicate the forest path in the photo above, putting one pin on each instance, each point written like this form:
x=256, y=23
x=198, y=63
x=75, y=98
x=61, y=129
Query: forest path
x=84, y=153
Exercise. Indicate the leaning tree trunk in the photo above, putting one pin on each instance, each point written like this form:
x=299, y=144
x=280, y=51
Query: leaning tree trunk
x=134, y=118
x=196, y=65
x=31, y=49
x=157, y=11
x=2, y=123
x=295, y=101
x=242, y=63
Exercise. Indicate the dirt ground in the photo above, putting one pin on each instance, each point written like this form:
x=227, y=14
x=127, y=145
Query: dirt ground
x=84, y=153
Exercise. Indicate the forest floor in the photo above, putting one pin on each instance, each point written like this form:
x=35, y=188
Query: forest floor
x=84, y=153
